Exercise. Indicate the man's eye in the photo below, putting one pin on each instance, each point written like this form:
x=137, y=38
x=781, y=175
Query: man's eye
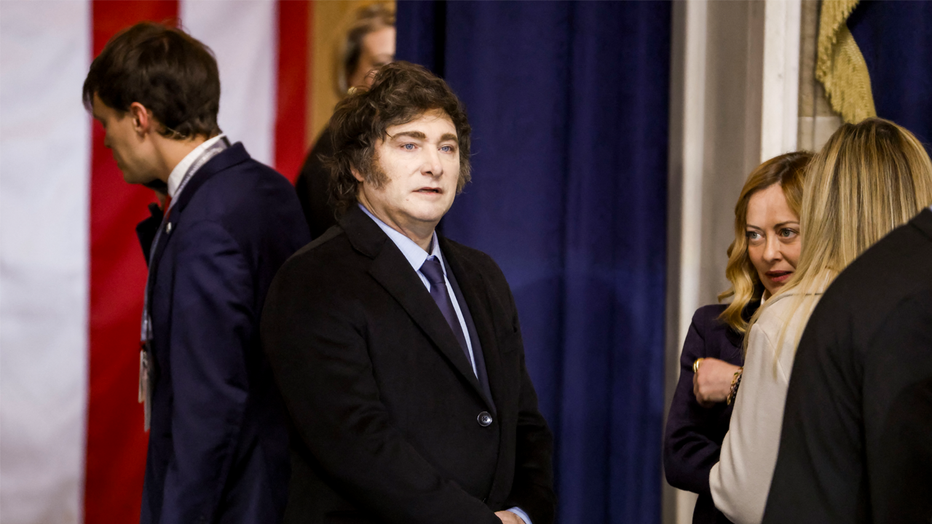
x=447, y=149
x=408, y=147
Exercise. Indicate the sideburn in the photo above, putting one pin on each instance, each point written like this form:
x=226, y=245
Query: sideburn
x=374, y=174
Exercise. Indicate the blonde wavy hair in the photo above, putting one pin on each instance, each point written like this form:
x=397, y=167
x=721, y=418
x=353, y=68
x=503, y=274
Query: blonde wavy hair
x=788, y=171
x=869, y=178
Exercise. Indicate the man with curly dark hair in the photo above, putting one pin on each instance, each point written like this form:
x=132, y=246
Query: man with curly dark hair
x=399, y=351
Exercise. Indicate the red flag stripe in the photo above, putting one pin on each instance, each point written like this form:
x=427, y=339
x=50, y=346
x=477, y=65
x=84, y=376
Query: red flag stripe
x=293, y=32
x=116, y=443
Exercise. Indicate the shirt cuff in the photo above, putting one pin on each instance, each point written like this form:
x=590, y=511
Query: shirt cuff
x=519, y=512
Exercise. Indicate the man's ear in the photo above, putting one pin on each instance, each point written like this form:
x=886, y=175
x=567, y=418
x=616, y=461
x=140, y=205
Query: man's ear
x=142, y=118
x=357, y=174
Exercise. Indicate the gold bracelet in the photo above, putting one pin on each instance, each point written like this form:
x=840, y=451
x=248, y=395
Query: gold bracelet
x=735, y=382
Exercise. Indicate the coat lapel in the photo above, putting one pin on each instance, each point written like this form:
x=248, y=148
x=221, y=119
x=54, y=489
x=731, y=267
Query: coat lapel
x=476, y=294
x=391, y=269
x=225, y=159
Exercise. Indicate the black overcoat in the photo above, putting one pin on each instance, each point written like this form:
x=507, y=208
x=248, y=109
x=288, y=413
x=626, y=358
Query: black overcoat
x=386, y=410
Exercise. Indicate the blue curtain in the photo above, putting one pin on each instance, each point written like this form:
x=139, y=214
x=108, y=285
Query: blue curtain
x=569, y=107
x=896, y=41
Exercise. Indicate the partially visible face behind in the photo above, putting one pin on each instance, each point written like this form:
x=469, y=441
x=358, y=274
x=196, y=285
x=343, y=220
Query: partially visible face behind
x=773, y=237
x=419, y=164
x=124, y=142
x=378, y=49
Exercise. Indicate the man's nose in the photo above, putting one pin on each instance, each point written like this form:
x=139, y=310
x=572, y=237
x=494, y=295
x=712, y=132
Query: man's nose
x=432, y=165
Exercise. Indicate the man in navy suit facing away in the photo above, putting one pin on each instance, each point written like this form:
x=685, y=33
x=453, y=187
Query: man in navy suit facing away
x=218, y=445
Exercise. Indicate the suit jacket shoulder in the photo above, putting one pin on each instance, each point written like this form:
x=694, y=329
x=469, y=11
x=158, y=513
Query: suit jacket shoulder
x=474, y=267
x=234, y=189
x=869, y=279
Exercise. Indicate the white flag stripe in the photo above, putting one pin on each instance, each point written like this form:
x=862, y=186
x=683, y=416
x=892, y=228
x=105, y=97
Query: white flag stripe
x=44, y=175
x=243, y=36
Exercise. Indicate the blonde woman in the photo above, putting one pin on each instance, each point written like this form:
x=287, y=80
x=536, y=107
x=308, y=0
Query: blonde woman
x=868, y=179
x=760, y=260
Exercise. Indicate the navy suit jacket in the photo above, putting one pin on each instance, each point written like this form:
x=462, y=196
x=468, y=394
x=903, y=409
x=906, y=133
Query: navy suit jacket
x=693, y=437
x=856, y=444
x=218, y=443
x=392, y=425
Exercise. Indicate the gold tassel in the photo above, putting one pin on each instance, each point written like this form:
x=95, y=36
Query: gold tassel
x=840, y=66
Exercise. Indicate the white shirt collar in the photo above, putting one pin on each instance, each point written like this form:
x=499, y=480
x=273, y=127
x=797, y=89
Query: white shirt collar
x=177, y=174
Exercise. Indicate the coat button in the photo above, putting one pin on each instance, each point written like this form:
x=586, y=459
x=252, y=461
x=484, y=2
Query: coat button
x=484, y=419
x=168, y=228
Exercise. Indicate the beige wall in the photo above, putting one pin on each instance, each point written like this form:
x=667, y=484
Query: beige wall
x=817, y=121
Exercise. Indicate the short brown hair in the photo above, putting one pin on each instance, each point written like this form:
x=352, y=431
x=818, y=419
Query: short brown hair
x=787, y=170
x=400, y=93
x=166, y=70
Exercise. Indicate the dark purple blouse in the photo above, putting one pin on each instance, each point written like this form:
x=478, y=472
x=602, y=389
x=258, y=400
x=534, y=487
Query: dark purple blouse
x=693, y=437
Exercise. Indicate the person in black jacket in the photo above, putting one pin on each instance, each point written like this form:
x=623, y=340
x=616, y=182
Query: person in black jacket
x=761, y=258
x=398, y=351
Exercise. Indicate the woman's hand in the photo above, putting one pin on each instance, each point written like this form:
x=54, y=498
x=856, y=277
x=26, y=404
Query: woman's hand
x=712, y=381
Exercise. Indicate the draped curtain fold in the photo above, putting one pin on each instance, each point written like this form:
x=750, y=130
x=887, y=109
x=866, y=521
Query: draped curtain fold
x=569, y=107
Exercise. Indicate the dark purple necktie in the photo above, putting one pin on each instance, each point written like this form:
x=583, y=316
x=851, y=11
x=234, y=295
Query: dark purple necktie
x=438, y=290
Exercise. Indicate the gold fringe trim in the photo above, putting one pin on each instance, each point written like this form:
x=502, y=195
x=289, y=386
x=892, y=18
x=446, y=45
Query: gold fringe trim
x=840, y=66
